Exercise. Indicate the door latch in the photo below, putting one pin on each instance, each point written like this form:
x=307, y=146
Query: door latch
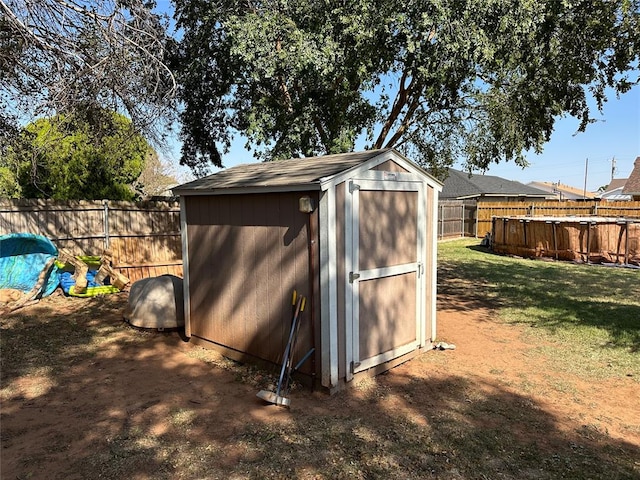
x=353, y=276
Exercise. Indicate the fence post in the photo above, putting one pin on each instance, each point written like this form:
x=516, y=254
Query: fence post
x=105, y=221
x=477, y=215
x=463, y=232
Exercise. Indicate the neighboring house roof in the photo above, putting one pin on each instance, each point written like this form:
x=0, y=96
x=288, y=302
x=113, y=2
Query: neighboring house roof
x=616, y=183
x=286, y=175
x=462, y=185
x=632, y=187
x=615, y=194
x=564, y=192
x=614, y=190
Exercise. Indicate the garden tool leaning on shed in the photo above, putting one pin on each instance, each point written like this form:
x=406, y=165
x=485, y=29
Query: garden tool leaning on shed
x=284, y=382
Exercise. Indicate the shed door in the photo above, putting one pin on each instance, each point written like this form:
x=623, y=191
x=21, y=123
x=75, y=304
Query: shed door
x=385, y=271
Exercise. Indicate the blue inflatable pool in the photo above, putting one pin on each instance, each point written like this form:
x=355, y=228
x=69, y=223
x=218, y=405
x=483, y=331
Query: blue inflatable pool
x=23, y=256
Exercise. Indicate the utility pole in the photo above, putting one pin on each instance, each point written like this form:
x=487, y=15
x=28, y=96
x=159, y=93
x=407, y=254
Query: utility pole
x=613, y=167
x=586, y=168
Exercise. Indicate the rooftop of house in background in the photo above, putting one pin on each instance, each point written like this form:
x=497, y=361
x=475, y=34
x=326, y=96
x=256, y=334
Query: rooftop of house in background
x=462, y=185
x=562, y=191
x=614, y=195
x=632, y=186
x=616, y=183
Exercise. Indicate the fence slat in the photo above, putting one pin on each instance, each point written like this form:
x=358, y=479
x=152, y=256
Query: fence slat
x=565, y=208
x=142, y=234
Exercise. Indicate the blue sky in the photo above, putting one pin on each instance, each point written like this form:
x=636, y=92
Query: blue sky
x=616, y=134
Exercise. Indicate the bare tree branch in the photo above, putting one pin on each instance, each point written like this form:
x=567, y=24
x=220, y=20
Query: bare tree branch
x=100, y=52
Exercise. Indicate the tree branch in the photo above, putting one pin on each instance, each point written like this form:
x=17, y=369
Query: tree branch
x=398, y=105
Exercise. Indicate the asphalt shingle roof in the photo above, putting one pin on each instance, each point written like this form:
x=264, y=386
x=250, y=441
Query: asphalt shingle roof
x=283, y=173
x=460, y=184
x=616, y=183
x=632, y=187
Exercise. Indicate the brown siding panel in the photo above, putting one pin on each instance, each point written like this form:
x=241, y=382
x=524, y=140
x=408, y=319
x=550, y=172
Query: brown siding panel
x=387, y=228
x=387, y=313
x=389, y=166
x=247, y=254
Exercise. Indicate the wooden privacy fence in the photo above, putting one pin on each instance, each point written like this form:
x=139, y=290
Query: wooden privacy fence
x=488, y=210
x=585, y=239
x=143, y=237
x=456, y=218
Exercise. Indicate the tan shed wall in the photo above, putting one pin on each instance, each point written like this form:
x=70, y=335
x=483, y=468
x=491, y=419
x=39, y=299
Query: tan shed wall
x=383, y=323
x=389, y=166
x=247, y=253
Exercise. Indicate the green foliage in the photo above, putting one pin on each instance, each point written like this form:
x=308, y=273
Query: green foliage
x=9, y=187
x=93, y=156
x=438, y=79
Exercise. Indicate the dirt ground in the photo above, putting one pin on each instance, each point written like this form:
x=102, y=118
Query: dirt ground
x=111, y=401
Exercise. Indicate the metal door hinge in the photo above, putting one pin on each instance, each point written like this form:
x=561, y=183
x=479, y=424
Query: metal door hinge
x=353, y=276
x=353, y=187
x=355, y=365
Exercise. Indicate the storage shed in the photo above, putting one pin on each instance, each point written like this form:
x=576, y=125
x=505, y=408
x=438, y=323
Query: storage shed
x=354, y=233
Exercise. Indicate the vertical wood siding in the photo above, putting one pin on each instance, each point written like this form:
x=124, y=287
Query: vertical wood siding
x=247, y=253
x=389, y=166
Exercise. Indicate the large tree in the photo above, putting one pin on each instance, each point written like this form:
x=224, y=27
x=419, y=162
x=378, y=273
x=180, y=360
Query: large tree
x=68, y=158
x=59, y=56
x=438, y=79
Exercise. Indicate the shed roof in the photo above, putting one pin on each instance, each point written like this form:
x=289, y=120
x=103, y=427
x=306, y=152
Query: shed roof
x=464, y=185
x=282, y=175
x=632, y=186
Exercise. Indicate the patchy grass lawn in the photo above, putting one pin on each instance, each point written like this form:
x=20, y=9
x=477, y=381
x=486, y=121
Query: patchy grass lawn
x=543, y=384
x=591, y=312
